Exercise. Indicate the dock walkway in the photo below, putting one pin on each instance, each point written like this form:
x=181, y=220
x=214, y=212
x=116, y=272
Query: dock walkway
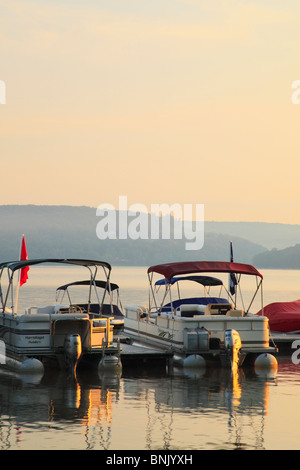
x=283, y=341
x=138, y=354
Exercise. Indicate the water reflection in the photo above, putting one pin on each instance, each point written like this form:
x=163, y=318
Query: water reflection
x=178, y=409
x=56, y=403
x=93, y=408
x=239, y=395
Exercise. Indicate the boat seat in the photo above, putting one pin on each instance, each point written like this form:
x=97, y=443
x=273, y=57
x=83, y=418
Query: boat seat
x=193, y=301
x=190, y=310
x=49, y=309
x=30, y=310
x=35, y=310
x=235, y=313
x=218, y=309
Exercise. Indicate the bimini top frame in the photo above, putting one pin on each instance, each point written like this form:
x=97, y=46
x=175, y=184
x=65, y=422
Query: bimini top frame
x=14, y=266
x=170, y=270
x=108, y=287
x=188, y=267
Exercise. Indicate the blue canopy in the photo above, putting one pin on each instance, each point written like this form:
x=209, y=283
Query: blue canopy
x=204, y=280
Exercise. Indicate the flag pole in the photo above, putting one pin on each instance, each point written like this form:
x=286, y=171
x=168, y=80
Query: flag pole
x=232, y=277
x=23, y=276
x=19, y=278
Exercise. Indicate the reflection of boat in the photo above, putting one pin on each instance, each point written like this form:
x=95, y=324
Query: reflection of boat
x=237, y=400
x=208, y=325
x=83, y=408
x=283, y=316
x=61, y=332
x=99, y=307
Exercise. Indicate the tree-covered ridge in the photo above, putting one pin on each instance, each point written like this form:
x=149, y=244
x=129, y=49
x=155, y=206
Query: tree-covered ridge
x=70, y=231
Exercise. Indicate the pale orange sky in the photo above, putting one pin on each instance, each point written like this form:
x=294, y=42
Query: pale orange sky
x=168, y=101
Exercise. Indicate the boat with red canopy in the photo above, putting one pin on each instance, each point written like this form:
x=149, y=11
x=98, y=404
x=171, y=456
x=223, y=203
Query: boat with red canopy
x=170, y=270
x=283, y=317
x=210, y=324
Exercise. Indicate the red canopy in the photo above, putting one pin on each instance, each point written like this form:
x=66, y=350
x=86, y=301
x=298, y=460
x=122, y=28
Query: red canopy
x=187, y=267
x=283, y=316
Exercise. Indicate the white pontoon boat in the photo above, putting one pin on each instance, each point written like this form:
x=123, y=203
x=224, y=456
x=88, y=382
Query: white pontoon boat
x=61, y=332
x=213, y=327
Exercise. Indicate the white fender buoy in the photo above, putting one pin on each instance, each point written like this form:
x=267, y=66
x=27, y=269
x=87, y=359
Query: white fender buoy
x=266, y=361
x=110, y=362
x=177, y=361
x=31, y=366
x=194, y=361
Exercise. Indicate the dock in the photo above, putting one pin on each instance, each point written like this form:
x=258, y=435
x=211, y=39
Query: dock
x=284, y=341
x=135, y=354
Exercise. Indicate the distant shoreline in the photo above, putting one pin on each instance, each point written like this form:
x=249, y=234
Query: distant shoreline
x=70, y=231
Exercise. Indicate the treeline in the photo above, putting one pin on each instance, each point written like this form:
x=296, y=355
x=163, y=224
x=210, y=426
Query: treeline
x=70, y=232
x=288, y=258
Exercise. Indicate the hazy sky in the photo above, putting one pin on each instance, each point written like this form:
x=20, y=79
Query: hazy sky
x=164, y=101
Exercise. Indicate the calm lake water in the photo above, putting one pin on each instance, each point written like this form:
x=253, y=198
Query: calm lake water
x=145, y=411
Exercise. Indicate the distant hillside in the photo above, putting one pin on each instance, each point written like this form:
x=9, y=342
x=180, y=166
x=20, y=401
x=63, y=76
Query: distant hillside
x=279, y=259
x=270, y=235
x=67, y=231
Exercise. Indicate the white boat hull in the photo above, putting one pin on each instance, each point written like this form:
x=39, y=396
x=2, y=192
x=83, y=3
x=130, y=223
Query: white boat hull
x=201, y=334
x=66, y=332
x=46, y=335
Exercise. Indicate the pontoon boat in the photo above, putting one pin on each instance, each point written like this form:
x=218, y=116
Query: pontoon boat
x=61, y=332
x=213, y=327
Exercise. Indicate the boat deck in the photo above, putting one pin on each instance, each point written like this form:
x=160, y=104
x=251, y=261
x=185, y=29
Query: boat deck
x=135, y=354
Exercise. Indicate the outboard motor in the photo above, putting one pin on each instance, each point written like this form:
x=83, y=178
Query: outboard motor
x=73, y=350
x=233, y=345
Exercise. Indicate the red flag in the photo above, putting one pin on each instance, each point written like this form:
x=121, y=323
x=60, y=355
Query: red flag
x=24, y=257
